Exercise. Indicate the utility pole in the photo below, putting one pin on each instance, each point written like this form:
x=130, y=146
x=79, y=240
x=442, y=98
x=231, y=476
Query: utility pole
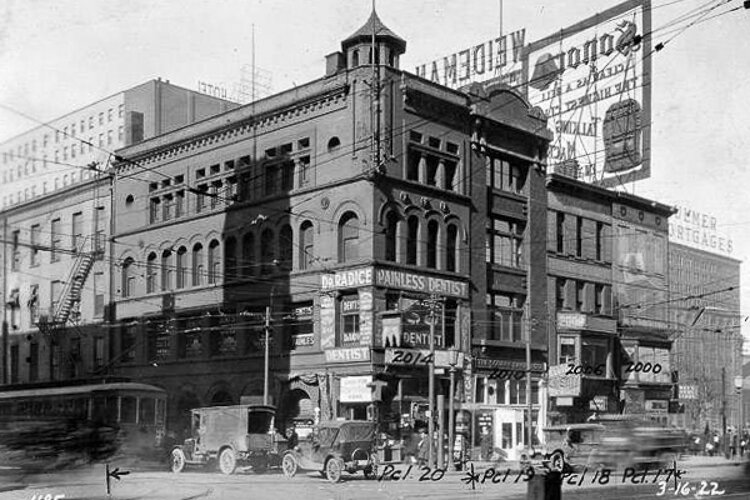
x=724, y=408
x=529, y=420
x=265, y=354
x=431, y=387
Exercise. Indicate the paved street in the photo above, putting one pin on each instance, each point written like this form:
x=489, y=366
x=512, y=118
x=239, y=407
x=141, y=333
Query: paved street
x=89, y=483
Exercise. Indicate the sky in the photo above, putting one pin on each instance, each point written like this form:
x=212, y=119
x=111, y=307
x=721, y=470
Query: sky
x=58, y=56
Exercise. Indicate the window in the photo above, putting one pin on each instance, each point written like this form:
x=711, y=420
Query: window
x=214, y=262
x=34, y=304
x=350, y=334
x=348, y=237
x=517, y=394
x=181, y=268
x=560, y=231
x=120, y=110
x=506, y=317
x=101, y=118
x=54, y=293
x=100, y=228
x=230, y=258
x=355, y=58
x=287, y=176
x=167, y=207
x=109, y=115
x=91, y=122
x=391, y=235
x=73, y=150
x=98, y=352
x=77, y=231
x=200, y=197
x=15, y=306
x=272, y=173
x=594, y=351
x=127, y=407
x=214, y=191
x=432, y=164
x=506, y=245
x=109, y=137
x=128, y=340
x=146, y=411
x=166, y=270
x=304, y=171
x=451, y=249
x=248, y=254
x=98, y=293
x=412, y=239
x=101, y=140
x=197, y=264
x=179, y=203
x=333, y=143
x=413, y=165
x=267, y=254
x=507, y=176
x=432, y=244
x=56, y=239
x=579, y=237
x=306, y=245
x=16, y=262
x=33, y=361
x=155, y=210
x=285, y=247
x=151, y=273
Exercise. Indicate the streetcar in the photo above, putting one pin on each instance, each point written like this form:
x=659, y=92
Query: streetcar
x=47, y=424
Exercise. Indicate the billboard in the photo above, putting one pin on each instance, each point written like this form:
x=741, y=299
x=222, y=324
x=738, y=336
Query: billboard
x=593, y=81
x=500, y=57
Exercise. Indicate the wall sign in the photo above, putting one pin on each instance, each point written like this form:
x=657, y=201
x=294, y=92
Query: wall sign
x=347, y=355
x=355, y=389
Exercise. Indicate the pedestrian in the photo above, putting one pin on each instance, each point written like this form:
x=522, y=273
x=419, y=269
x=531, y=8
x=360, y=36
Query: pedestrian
x=485, y=443
x=423, y=448
x=292, y=439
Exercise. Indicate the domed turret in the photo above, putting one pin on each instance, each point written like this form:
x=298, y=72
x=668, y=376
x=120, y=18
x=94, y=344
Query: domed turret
x=388, y=45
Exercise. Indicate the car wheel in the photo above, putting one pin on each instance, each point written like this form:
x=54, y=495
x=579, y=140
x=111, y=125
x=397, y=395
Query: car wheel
x=557, y=461
x=289, y=465
x=334, y=467
x=178, y=460
x=371, y=471
x=227, y=461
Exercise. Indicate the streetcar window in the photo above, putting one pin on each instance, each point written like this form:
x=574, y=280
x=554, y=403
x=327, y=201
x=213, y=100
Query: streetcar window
x=112, y=409
x=146, y=411
x=99, y=411
x=128, y=412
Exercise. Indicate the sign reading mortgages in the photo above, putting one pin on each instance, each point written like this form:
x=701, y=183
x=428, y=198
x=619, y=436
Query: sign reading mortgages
x=593, y=81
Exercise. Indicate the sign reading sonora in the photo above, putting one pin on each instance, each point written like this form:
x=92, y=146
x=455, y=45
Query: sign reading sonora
x=593, y=81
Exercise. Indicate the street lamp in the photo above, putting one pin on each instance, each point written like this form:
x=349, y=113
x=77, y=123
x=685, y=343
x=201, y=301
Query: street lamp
x=452, y=361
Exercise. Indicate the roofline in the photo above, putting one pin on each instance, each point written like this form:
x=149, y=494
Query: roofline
x=681, y=246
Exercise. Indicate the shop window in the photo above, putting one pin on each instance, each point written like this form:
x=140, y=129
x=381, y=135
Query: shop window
x=412, y=239
x=307, y=247
x=567, y=350
x=594, y=352
x=517, y=392
x=350, y=334
x=348, y=237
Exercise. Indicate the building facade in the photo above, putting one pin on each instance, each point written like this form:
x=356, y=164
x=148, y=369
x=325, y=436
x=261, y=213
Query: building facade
x=56, y=225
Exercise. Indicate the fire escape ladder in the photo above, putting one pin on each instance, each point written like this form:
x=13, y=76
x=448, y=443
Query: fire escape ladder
x=71, y=292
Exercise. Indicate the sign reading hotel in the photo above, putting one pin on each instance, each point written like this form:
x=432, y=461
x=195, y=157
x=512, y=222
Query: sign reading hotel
x=593, y=81
x=390, y=278
x=698, y=230
x=500, y=57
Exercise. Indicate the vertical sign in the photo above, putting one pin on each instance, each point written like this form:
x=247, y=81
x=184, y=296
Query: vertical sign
x=593, y=81
x=327, y=322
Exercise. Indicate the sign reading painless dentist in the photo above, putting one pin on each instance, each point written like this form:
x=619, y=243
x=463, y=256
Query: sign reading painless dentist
x=593, y=81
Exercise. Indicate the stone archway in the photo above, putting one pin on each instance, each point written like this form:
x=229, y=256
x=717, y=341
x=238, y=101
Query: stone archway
x=297, y=408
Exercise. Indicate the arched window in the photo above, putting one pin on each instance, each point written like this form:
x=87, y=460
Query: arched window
x=214, y=262
x=355, y=58
x=306, y=245
x=286, y=254
x=166, y=270
x=151, y=273
x=412, y=239
x=230, y=258
x=197, y=264
x=128, y=277
x=248, y=255
x=267, y=255
x=451, y=249
x=333, y=143
x=432, y=243
x=391, y=233
x=348, y=237
x=181, y=267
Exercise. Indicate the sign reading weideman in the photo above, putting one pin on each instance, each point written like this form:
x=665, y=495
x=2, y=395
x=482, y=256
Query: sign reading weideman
x=593, y=82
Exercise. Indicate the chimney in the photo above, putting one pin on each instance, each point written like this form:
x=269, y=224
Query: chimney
x=334, y=63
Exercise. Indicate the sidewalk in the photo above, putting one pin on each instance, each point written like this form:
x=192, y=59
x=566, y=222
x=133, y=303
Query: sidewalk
x=706, y=461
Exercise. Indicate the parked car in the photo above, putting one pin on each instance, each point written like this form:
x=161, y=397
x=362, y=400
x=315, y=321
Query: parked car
x=631, y=442
x=333, y=448
x=569, y=446
x=234, y=435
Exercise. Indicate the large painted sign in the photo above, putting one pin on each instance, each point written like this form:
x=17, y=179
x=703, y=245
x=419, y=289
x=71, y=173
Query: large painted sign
x=698, y=230
x=501, y=57
x=593, y=81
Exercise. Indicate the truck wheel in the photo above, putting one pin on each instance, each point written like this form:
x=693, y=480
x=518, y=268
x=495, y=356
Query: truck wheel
x=178, y=460
x=334, y=467
x=227, y=461
x=371, y=471
x=557, y=462
x=289, y=465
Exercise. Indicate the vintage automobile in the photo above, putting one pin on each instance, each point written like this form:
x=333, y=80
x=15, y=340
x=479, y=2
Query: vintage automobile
x=236, y=435
x=570, y=446
x=335, y=447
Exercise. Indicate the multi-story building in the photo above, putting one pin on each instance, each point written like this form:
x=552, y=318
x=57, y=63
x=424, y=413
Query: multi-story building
x=349, y=227
x=607, y=302
x=55, y=222
x=707, y=352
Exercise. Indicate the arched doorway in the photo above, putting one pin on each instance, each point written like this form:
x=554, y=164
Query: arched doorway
x=297, y=410
x=221, y=398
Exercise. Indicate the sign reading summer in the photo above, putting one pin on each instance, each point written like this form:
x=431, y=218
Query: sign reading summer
x=593, y=81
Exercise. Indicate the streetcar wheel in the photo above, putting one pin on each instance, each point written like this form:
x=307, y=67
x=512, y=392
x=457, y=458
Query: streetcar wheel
x=178, y=460
x=227, y=461
x=289, y=465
